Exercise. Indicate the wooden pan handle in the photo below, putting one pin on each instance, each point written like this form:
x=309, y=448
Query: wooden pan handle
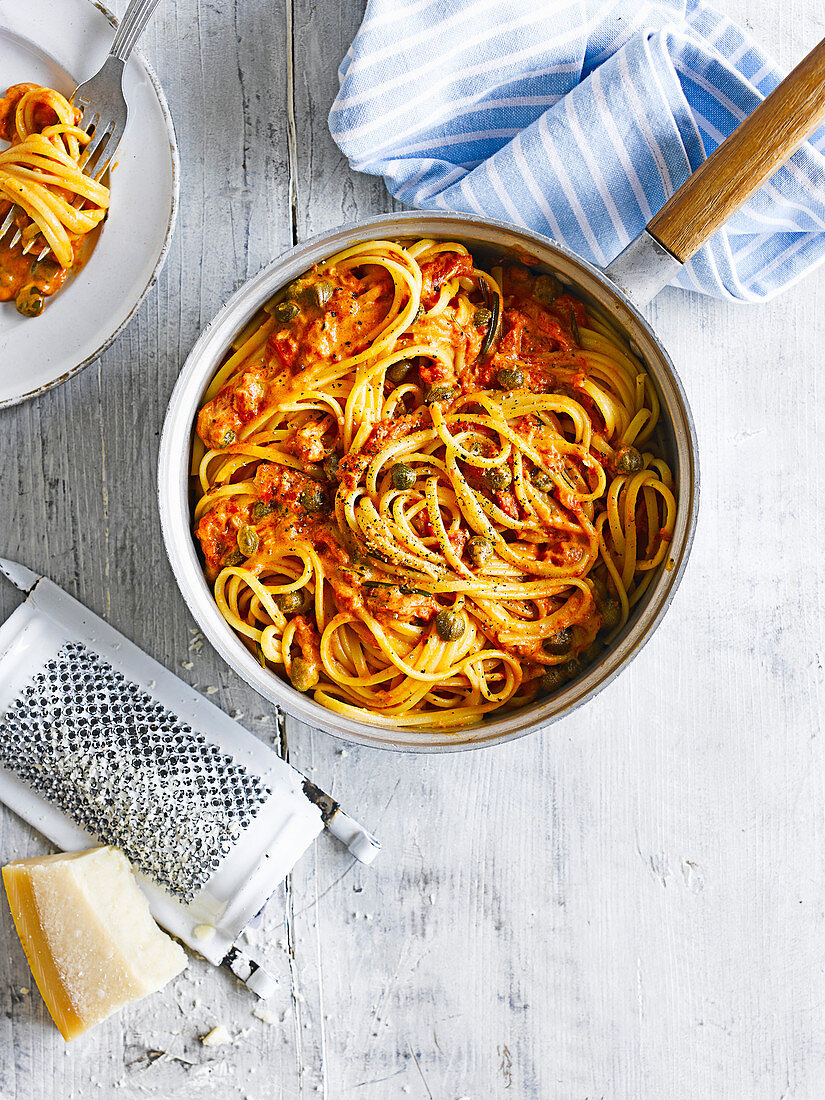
x=742, y=163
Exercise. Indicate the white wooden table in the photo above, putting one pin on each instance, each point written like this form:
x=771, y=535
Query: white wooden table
x=631, y=904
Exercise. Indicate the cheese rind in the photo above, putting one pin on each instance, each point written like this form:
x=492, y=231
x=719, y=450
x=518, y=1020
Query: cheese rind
x=90, y=939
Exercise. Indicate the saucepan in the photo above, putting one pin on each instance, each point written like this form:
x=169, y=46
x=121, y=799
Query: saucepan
x=723, y=183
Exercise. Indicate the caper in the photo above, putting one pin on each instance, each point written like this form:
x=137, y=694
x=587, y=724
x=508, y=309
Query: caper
x=330, y=467
x=629, y=460
x=402, y=476
x=290, y=602
x=482, y=317
x=480, y=549
x=29, y=301
x=449, y=625
x=546, y=289
x=440, y=391
x=556, y=675
x=285, y=311
x=260, y=509
x=510, y=379
x=312, y=499
x=600, y=589
x=611, y=614
x=542, y=480
x=559, y=643
x=552, y=678
x=248, y=541
x=322, y=292
x=228, y=437
x=235, y=558
x=499, y=477
x=303, y=675
x=43, y=271
x=399, y=371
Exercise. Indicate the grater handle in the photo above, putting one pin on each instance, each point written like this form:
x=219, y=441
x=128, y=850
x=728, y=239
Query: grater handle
x=20, y=575
x=359, y=841
x=251, y=973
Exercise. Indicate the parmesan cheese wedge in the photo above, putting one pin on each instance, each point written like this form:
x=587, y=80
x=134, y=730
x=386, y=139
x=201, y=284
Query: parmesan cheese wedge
x=90, y=939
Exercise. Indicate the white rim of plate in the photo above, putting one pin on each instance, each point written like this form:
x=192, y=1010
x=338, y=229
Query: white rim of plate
x=140, y=60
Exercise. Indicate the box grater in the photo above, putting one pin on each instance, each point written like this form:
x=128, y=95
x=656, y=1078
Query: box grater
x=101, y=744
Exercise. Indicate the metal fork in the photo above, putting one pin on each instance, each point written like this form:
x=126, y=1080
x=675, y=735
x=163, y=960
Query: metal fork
x=103, y=108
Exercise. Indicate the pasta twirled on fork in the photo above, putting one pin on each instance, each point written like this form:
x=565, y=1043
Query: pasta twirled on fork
x=57, y=205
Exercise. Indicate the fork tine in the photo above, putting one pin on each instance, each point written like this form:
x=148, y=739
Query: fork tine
x=88, y=116
x=30, y=244
x=108, y=153
x=8, y=222
x=104, y=162
x=82, y=107
x=96, y=149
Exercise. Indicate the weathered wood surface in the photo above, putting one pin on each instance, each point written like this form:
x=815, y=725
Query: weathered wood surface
x=629, y=905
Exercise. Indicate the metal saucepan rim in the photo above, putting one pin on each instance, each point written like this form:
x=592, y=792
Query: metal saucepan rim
x=173, y=476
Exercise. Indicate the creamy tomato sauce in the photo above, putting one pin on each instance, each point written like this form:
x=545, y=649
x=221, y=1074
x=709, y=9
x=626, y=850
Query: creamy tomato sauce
x=17, y=270
x=539, y=338
x=417, y=532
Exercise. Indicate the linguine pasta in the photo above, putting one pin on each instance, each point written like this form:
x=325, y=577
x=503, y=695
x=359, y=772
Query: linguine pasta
x=418, y=534
x=57, y=205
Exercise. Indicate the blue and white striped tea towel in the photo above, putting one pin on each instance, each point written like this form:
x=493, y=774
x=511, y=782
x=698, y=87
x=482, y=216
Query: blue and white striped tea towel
x=577, y=119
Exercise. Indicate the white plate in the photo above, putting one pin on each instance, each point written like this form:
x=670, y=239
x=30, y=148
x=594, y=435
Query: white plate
x=60, y=43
